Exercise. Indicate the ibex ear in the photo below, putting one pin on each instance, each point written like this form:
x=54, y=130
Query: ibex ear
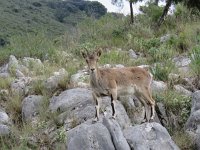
x=83, y=54
x=99, y=52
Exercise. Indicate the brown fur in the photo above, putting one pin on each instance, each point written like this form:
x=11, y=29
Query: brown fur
x=117, y=81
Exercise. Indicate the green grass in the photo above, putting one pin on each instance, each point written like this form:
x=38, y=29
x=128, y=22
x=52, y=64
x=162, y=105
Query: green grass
x=176, y=103
x=195, y=61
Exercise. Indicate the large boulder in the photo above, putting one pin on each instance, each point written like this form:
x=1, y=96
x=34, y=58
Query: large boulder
x=4, y=119
x=149, y=136
x=89, y=137
x=134, y=108
x=31, y=106
x=182, y=63
x=180, y=89
x=77, y=105
x=71, y=99
x=116, y=134
x=59, y=78
x=194, y=120
x=80, y=79
x=4, y=123
x=121, y=115
x=4, y=130
x=20, y=86
x=158, y=86
x=15, y=68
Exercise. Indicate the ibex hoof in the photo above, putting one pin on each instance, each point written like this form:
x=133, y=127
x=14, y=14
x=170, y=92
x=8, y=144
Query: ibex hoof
x=143, y=121
x=113, y=117
x=95, y=120
x=151, y=120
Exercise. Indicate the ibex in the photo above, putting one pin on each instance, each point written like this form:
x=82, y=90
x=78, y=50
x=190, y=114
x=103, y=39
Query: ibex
x=117, y=81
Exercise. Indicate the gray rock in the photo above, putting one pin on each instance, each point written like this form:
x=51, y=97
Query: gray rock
x=193, y=121
x=158, y=86
x=4, y=75
x=32, y=63
x=116, y=134
x=197, y=138
x=13, y=64
x=4, y=119
x=71, y=99
x=77, y=116
x=181, y=61
x=20, y=86
x=89, y=137
x=134, y=108
x=149, y=136
x=4, y=68
x=163, y=116
x=53, y=82
x=165, y=38
x=119, y=66
x=80, y=79
x=182, y=90
x=195, y=101
x=132, y=54
x=77, y=105
x=4, y=130
x=31, y=106
x=121, y=115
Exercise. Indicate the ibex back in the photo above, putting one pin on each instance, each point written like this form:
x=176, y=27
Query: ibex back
x=117, y=81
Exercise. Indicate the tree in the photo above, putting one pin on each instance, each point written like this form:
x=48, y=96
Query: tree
x=165, y=11
x=188, y=3
x=131, y=2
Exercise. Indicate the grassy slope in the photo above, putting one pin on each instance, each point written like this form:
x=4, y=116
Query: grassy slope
x=22, y=16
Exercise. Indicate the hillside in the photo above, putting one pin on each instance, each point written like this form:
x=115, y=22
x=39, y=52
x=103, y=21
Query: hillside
x=54, y=17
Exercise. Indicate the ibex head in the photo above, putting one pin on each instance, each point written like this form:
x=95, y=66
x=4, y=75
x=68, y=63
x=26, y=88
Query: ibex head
x=91, y=59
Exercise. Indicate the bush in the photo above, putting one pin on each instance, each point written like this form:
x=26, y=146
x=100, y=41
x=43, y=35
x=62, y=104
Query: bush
x=162, y=71
x=160, y=54
x=195, y=61
x=176, y=103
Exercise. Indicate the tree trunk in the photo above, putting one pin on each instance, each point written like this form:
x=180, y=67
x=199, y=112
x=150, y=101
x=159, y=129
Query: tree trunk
x=156, y=2
x=165, y=11
x=131, y=10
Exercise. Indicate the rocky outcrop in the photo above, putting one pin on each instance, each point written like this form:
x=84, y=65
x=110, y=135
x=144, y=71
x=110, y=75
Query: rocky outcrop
x=89, y=137
x=149, y=136
x=5, y=122
x=31, y=106
x=53, y=82
x=77, y=105
x=194, y=120
x=158, y=86
x=193, y=123
x=116, y=133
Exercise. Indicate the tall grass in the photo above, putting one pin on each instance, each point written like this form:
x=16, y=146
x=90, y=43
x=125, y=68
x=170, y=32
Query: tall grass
x=29, y=45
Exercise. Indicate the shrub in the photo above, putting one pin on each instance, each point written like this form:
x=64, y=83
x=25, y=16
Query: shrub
x=162, y=71
x=177, y=104
x=195, y=61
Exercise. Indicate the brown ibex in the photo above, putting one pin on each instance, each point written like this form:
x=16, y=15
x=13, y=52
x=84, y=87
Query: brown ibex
x=117, y=81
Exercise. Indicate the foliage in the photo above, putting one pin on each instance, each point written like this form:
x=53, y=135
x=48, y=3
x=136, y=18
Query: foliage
x=176, y=103
x=29, y=45
x=183, y=140
x=195, y=60
x=161, y=71
x=152, y=11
